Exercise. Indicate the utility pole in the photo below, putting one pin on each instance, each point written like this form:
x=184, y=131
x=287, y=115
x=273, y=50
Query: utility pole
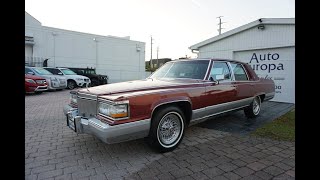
x=151, y=51
x=220, y=24
x=157, y=57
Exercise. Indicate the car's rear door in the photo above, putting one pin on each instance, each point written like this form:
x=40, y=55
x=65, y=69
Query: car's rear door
x=244, y=86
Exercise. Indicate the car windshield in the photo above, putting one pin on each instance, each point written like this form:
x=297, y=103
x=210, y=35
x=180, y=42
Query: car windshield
x=42, y=71
x=68, y=72
x=195, y=69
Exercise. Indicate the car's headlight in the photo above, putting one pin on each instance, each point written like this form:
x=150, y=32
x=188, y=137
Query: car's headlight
x=53, y=79
x=114, y=111
x=73, y=99
x=30, y=81
x=79, y=79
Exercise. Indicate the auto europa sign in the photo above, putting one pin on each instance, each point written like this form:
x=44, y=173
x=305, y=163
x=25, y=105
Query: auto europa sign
x=276, y=64
x=266, y=62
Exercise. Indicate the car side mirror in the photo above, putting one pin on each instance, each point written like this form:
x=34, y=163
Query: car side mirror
x=60, y=73
x=32, y=73
x=211, y=79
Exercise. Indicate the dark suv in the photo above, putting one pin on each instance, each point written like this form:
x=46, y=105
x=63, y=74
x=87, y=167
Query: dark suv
x=96, y=79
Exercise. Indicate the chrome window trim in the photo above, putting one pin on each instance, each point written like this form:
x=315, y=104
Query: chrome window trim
x=208, y=70
x=245, y=71
x=233, y=78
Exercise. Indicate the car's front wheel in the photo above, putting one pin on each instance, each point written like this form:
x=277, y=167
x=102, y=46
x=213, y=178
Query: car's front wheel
x=167, y=129
x=253, y=109
x=71, y=84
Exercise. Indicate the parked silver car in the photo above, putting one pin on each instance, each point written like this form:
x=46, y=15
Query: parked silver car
x=73, y=80
x=54, y=82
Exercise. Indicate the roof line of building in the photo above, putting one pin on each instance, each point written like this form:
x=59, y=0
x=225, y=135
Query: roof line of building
x=243, y=28
x=96, y=35
x=33, y=17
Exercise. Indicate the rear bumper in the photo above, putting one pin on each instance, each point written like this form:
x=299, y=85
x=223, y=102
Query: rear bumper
x=269, y=96
x=105, y=132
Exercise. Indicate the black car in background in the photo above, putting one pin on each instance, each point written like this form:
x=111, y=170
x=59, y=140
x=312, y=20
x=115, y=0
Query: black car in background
x=96, y=79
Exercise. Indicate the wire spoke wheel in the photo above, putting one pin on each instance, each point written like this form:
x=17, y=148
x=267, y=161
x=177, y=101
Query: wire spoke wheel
x=169, y=129
x=256, y=106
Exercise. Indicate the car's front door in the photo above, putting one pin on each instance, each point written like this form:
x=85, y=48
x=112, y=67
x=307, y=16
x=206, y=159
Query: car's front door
x=220, y=90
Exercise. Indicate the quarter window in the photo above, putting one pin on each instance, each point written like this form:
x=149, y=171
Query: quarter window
x=239, y=72
x=220, y=70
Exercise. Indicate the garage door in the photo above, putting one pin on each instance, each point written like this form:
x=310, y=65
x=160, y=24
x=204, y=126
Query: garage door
x=28, y=51
x=276, y=64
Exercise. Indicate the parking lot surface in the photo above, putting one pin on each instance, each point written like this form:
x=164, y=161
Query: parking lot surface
x=53, y=151
x=236, y=122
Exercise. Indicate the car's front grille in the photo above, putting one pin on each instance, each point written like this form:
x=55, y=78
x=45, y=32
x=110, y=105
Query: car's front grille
x=40, y=81
x=87, y=104
x=86, y=80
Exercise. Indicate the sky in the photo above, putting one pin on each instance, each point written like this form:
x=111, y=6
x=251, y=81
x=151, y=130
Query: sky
x=175, y=25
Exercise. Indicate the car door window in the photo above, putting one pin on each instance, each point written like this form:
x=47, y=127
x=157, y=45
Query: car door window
x=220, y=69
x=53, y=71
x=239, y=72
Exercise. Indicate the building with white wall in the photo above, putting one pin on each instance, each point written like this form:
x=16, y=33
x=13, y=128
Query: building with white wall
x=120, y=58
x=267, y=44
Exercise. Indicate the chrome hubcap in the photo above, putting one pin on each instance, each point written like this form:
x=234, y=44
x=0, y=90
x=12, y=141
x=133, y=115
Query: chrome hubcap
x=256, y=106
x=169, y=129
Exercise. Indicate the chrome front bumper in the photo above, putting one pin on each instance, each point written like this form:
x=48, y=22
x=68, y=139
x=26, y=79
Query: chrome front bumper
x=106, y=133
